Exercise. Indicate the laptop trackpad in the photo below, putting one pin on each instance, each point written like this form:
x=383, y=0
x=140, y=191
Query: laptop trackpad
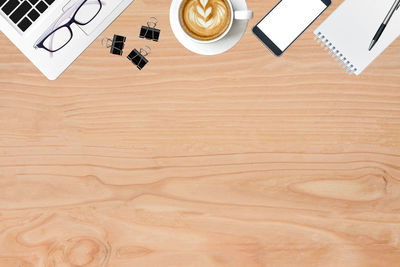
x=90, y=9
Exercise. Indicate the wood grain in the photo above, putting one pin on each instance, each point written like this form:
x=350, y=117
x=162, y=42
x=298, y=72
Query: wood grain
x=241, y=159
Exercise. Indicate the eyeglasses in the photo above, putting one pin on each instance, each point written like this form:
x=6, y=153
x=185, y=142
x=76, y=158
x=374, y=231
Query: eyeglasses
x=57, y=37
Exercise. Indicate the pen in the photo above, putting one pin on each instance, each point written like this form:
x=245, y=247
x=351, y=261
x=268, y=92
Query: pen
x=378, y=34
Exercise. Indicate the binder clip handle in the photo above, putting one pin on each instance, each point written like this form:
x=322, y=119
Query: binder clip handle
x=152, y=22
x=145, y=51
x=107, y=42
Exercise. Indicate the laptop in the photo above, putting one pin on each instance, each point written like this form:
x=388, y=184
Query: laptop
x=53, y=33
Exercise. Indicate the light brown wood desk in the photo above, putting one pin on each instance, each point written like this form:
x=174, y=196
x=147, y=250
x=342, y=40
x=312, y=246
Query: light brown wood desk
x=241, y=159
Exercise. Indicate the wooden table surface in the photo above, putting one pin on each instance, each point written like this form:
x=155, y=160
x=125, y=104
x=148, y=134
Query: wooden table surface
x=241, y=159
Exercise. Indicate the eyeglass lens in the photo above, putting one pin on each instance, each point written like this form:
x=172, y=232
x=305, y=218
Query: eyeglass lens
x=85, y=14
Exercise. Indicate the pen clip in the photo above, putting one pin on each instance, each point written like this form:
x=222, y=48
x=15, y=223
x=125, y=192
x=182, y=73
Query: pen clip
x=398, y=5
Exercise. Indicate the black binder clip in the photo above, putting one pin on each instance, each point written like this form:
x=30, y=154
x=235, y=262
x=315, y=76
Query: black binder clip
x=150, y=32
x=116, y=45
x=139, y=58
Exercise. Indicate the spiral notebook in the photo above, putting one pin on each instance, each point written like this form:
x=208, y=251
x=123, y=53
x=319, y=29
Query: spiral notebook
x=349, y=30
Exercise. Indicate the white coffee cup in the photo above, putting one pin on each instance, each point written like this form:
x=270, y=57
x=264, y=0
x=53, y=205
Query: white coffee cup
x=235, y=15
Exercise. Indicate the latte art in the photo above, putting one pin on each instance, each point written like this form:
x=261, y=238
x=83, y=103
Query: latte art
x=205, y=20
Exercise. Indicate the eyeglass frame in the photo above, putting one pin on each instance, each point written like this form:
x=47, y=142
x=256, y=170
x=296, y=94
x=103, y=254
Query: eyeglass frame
x=68, y=26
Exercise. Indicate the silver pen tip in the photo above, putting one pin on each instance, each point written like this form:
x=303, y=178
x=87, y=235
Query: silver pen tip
x=371, y=45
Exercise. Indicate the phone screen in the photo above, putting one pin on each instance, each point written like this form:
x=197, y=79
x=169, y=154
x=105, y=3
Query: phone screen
x=289, y=19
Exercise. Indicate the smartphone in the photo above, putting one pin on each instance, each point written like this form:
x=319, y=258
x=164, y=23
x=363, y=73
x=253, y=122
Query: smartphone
x=287, y=21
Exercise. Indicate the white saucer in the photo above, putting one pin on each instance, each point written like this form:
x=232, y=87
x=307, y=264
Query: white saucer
x=230, y=40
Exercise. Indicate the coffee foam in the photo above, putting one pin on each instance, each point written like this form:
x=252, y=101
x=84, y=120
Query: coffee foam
x=205, y=20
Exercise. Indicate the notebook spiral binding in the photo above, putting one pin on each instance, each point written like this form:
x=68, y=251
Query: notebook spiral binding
x=335, y=53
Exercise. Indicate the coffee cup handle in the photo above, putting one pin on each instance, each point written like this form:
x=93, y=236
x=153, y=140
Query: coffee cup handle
x=243, y=14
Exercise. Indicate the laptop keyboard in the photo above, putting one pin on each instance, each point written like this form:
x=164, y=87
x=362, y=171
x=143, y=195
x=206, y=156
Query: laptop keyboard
x=24, y=12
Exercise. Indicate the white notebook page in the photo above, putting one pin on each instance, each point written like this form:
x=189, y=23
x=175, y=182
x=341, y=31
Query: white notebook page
x=351, y=27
